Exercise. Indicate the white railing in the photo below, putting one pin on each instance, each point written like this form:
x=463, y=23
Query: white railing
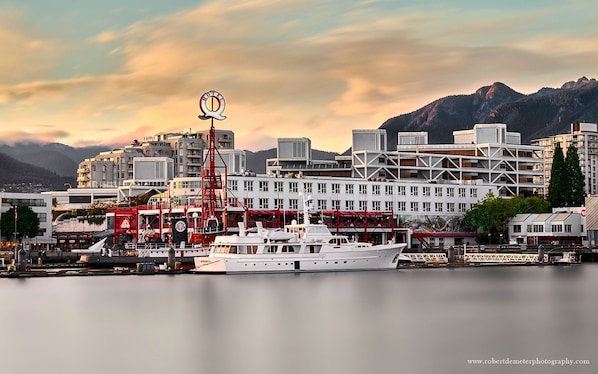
x=502, y=258
x=426, y=257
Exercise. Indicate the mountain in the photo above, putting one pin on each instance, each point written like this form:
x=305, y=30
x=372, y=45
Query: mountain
x=56, y=157
x=17, y=176
x=544, y=113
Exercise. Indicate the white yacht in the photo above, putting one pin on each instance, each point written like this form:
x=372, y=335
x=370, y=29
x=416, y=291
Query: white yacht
x=303, y=247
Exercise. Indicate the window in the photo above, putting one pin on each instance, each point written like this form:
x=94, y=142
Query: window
x=322, y=205
x=233, y=185
x=293, y=187
x=414, y=206
x=426, y=191
x=401, y=206
x=473, y=192
x=278, y=204
x=363, y=205
x=388, y=190
x=336, y=188
x=249, y=203
x=264, y=186
x=517, y=228
x=336, y=204
x=567, y=228
x=401, y=190
x=363, y=189
x=263, y=203
x=388, y=206
x=450, y=192
x=248, y=185
x=308, y=187
x=438, y=207
x=426, y=207
x=349, y=189
x=461, y=192
x=376, y=206
x=414, y=191
x=450, y=207
x=555, y=228
x=376, y=190
x=438, y=191
x=462, y=207
x=278, y=187
x=293, y=204
x=322, y=188
x=349, y=205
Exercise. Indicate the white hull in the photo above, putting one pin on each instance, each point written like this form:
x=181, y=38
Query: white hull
x=373, y=259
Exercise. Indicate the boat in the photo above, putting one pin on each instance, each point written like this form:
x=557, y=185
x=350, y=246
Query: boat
x=132, y=254
x=568, y=258
x=306, y=247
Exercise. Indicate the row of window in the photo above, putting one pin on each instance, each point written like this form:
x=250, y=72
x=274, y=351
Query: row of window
x=540, y=228
x=361, y=205
x=362, y=189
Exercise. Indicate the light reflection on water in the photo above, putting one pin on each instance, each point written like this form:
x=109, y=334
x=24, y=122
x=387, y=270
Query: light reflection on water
x=411, y=320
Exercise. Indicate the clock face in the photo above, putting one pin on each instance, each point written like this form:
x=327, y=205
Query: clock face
x=180, y=226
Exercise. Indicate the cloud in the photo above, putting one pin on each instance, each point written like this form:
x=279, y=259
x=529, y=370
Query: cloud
x=44, y=136
x=287, y=70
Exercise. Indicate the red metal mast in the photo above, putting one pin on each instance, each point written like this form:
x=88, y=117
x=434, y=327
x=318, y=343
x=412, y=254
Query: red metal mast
x=213, y=196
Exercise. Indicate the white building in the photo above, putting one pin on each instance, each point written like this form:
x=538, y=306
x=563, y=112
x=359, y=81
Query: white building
x=40, y=204
x=565, y=226
x=487, y=154
x=585, y=138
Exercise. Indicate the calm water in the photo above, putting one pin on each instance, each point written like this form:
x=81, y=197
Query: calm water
x=405, y=321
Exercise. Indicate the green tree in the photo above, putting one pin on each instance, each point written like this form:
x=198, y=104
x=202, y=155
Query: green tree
x=26, y=220
x=576, y=195
x=558, y=187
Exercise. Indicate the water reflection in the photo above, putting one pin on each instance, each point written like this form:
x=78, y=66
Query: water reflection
x=416, y=320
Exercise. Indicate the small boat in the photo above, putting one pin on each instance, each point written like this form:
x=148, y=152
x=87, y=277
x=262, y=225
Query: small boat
x=157, y=253
x=568, y=258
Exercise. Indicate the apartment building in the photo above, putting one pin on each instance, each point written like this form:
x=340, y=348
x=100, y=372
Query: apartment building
x=584, y=136
x=187, y=150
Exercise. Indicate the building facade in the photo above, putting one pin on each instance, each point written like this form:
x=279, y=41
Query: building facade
x=584, y=136
x=187, y=150
x=40, y=204
x=487, y=154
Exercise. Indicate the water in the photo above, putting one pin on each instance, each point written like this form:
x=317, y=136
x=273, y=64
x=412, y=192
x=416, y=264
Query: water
x=406, y=321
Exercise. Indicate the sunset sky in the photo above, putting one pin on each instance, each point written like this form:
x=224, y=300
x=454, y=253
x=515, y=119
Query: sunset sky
x=107, y=72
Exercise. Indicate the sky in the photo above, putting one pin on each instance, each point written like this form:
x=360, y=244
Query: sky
x=108, y=72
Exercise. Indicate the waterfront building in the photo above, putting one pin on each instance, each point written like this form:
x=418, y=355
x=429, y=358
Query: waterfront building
x=563, y=227
x=488, y=154
x=584, y=136
x=41, y=205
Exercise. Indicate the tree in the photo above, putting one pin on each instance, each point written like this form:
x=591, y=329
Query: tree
x=26, y=220
x=558, y=188
x=576, y=195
